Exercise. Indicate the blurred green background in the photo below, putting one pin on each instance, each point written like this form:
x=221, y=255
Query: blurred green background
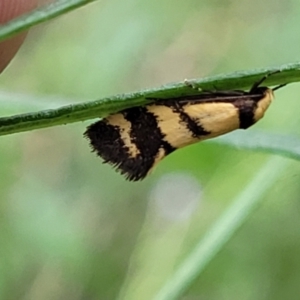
x=72, y=228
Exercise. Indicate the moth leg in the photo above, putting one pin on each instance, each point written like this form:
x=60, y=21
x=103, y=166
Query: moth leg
x=154, y=100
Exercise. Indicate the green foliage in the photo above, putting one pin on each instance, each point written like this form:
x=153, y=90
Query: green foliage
x=72, y=228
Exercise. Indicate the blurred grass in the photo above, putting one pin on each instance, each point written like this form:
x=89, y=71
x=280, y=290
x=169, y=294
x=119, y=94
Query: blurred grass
x=39, y=15
x=73, y=229
x=221, y=231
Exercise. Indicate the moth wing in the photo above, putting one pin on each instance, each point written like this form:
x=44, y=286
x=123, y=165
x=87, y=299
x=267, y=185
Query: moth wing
x=131, y=141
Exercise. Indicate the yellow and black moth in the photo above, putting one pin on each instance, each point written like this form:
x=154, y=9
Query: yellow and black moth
x=134, y=140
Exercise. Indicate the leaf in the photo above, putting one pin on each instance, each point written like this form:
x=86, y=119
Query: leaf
x=105, y=106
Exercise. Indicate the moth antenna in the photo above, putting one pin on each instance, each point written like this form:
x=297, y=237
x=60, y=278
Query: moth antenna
x=279, y=87
x=259, y=82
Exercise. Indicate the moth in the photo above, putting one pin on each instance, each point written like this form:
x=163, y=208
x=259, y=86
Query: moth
x=134, y=140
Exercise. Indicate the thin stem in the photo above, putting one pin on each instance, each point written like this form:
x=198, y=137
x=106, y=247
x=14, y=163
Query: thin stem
x=103, y=107
x=39, y=15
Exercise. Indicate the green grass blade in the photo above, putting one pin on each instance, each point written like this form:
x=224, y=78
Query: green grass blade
x=256, y=140
x=222, y=230
x=103, y=107
x=39, y=15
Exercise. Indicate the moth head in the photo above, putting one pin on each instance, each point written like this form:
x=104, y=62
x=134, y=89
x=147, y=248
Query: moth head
x=263, y=103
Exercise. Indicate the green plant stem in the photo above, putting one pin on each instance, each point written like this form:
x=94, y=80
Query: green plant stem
x=288, y=146
x=39, y=15
x=103, y=107
x=222, y=230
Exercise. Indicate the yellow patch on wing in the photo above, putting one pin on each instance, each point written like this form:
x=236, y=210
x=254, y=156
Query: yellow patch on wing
x=159, y=156
x=124, y=126
x=217, y=118
x=263, y=104
x=170, y=124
